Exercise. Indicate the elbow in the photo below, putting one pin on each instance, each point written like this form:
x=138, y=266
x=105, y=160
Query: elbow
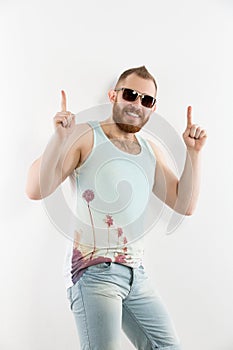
x=183, y=212
x=34, y=197
x=35, y=193
x=32, y=194
x=189, y=212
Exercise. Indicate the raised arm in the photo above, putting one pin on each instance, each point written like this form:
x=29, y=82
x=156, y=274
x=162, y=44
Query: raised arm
x=181, y=194
x=60, y=157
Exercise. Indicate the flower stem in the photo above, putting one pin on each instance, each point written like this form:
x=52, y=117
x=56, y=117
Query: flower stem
x=93, y=230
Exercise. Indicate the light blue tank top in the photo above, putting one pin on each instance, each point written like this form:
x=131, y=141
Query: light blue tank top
x=113, y=189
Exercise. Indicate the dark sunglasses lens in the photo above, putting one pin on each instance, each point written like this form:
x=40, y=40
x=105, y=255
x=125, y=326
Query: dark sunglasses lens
x=129, y=95
x=148, y=101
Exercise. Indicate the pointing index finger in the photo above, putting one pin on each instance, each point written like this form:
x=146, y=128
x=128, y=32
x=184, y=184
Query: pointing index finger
x=189, y=117
x=63, y=101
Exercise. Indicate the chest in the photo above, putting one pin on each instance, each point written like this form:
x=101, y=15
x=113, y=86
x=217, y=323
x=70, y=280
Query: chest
x=127, y=146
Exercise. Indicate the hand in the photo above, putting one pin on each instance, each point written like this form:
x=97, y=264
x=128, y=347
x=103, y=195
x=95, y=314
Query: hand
x=194, y=136
x=64, y=121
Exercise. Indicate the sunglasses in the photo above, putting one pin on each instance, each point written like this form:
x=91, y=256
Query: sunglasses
x=132, y=95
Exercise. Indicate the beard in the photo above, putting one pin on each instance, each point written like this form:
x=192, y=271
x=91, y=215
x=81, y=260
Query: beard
x=128, y=126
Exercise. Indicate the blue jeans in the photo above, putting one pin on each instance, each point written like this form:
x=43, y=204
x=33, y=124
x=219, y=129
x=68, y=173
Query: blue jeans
x=109, y=297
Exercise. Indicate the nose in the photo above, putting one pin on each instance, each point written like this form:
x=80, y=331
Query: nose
x=137, y=101
x=136, y=106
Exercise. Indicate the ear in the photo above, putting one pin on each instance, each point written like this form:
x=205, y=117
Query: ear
x=154, y=108
x=112, y=95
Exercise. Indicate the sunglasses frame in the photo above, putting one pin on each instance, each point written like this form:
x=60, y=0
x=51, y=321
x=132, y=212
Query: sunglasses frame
x=138, y=95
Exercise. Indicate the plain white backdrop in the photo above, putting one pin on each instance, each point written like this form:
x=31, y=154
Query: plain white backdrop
x=82, y=47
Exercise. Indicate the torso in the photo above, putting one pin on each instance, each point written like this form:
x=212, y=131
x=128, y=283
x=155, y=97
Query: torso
x=87, y=140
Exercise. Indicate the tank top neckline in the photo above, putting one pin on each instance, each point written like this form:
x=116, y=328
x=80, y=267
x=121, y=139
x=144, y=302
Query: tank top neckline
x=115, y=147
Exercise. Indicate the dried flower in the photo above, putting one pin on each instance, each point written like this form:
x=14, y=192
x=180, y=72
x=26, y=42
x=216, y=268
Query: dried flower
x=120, y=259
x=125, y=240
x=119, y=231
x=88, y=195
x=109, y=220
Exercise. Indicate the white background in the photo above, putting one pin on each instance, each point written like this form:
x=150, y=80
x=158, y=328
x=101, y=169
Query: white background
x=82, y=47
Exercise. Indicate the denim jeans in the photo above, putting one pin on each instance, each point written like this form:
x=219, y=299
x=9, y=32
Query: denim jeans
x=110, y=297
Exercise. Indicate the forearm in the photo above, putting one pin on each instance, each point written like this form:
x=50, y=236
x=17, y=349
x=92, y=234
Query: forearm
x=43, y=173
x=188, y=187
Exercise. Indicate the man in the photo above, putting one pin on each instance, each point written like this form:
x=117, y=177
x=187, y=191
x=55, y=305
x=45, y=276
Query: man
x=115, y=170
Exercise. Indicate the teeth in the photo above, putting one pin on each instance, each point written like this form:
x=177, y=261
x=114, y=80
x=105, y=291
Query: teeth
x=133, y=115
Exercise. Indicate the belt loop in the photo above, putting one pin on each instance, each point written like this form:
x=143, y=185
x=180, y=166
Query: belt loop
x=132, y=276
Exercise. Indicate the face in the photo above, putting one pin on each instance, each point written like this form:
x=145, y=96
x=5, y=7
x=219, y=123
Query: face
x=130, y=117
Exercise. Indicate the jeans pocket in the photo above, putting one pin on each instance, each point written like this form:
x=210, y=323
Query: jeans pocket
x=69, y=295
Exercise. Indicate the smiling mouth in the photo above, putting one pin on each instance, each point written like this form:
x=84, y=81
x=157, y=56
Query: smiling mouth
x=133, y=115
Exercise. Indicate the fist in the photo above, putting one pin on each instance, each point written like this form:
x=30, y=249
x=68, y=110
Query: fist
x=194, y=136
x=64, y=121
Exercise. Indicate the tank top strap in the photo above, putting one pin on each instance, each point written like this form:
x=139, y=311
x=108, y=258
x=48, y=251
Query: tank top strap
x=98, y=133
x=146, y=145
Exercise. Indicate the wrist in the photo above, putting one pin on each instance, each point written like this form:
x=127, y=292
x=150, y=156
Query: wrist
x=194, y=155
x=193, y=151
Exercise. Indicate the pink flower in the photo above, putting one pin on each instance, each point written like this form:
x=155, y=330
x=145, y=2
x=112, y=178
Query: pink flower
x=120, y=259
x=125, y=241
x=109, y=220
x=88, y=195
x=119, y=231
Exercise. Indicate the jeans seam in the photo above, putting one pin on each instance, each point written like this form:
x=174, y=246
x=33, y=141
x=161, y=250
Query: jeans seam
x=84, y=308
x=140, y=326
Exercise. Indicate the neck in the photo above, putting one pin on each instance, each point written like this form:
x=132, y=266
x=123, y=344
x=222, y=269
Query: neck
x=114, y=132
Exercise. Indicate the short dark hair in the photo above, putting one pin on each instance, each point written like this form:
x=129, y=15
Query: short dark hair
x=141, y=72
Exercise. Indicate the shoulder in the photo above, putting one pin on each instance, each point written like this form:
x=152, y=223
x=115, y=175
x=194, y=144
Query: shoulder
x=81, y=133
x=80, y=139
x=159, y=155
x=81, y=129
x=83, y=140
